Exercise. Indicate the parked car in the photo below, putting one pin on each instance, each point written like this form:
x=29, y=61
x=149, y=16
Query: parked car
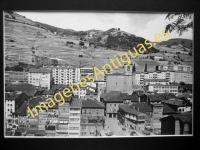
x=109, y=133
x=124, y=129
x=102, y=133
x=133, y=133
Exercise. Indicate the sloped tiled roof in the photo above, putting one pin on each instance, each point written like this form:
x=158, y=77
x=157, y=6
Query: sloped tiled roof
x=49, y=92
x=114, y=96
x=22, y=110
x=127, y=109
x=155, y=97
x=76, y=102
x=168, y=95
x=91, y=104
x=168, y=110
x=30, y=92
x=184, y=117
x=143, y=107
x=34, y=102
x=175, y=102
x=41, y=70
x=20, y=87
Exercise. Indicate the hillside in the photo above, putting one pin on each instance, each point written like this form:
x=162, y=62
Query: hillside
x=36, y=44
x=186, y=43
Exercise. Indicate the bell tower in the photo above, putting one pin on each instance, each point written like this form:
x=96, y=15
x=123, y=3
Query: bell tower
x=128, y=69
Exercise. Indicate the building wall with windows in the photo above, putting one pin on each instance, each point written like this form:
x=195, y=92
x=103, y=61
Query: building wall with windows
x=177, y=68
x=74, y=122
x=93, y=112
x=16, y=76
x=183, y=76
x=171, y=75
x=164, y=88
x=111, y=109
x=65, y=74
x=40, y=77
x=9, y=108
x=156, y=115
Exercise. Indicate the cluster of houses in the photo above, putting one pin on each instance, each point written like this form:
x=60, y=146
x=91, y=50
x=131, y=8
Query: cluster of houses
x=155, y=105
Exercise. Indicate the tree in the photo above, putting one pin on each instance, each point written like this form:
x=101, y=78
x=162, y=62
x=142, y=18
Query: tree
x=81, y=43
x=54, y=62
x=145, y=68
x=180, y=25
x=133, y=70
x=7, y=68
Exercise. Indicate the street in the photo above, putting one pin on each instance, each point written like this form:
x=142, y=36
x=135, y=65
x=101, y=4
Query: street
x=112, y=125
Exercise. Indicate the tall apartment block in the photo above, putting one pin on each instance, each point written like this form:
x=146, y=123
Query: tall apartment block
x=40, y=77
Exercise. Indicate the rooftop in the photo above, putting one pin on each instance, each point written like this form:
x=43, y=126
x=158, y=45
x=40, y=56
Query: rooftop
x=20, y=87
x=30, y=92
x=127, y=109
x=168, y=95
x=22, y=110
x=92, y=104
x=10, y=96
x=114, y=96
x=184, y=117
x=76, y=102
x=143, y=107
x=168, y=110
x=176, y=102
x=156, y=97
x=41, y=70
x=49, y=92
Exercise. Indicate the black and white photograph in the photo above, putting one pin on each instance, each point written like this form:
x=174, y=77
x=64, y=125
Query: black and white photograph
x=98, y=74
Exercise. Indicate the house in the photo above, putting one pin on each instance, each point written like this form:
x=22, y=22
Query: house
x=91, y=95
x=154, y=98
x=177, y=124
x=178, y=105
x=158, y=58
x=156, y=115
x=9, y=104
x=131, y=118
x=92, y=108
x=168, y=96
x=113, y=99
x=92, y=118
x=144, y=108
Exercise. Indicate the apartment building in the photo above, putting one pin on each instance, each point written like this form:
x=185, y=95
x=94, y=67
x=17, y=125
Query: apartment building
x=16, y=76
x=168, y=88
x=9, y=104
x=131, y=118
x=65, y=74
x=156, y=115
x=92, y=110
x=85, y=71
x=40, y=77
x=176, y=68
x=74, y=117
x=139, y=77
x=63, y=118
x=183, y=76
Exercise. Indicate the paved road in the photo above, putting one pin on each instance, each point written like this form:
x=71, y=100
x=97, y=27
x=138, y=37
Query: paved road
x=112, y=125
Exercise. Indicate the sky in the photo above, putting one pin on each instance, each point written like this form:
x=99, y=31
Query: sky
x=145, y=25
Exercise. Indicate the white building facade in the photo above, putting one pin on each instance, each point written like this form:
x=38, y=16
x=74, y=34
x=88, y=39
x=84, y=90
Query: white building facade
x=40, y=77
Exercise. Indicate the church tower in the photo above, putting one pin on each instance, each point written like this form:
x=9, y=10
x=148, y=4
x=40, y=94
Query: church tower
x=128, y=78
x=128, y=70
